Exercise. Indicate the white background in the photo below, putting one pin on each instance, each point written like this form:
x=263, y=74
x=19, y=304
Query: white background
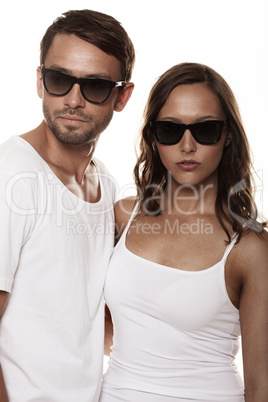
x=229, y=36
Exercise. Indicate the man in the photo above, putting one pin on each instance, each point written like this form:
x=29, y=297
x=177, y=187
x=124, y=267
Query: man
x=57, y=217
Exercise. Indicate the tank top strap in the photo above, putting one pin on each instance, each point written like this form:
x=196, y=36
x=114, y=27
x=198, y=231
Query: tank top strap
x=133, y=214
x=229, y=248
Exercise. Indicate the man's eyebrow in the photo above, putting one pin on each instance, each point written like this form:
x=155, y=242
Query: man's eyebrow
x=92, y=75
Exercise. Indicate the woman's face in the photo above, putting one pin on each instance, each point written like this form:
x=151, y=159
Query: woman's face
x=189, y=162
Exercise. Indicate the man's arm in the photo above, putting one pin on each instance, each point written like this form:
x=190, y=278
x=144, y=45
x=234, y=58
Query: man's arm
x=3, y=391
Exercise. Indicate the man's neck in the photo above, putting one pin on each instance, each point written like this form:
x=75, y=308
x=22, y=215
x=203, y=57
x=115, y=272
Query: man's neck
x=70, y=163
x=73, y=160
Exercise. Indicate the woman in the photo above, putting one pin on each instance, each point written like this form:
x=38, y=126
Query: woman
x=189, y=273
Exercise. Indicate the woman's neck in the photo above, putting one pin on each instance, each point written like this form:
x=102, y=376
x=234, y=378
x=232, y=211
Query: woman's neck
x=188, y=199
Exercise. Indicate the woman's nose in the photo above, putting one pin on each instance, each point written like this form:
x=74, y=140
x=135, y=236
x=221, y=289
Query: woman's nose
x=187, y=143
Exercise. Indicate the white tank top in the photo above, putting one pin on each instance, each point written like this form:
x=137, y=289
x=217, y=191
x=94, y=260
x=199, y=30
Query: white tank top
x=176, y=332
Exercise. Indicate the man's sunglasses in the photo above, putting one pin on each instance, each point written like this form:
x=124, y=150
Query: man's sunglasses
x=94, y=90
x=206, y=132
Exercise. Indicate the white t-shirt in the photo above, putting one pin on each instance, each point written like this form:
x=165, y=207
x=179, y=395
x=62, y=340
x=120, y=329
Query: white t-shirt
x=54, y=253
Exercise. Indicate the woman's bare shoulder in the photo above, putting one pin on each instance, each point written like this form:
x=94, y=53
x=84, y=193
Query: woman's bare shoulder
x=123, y=210
x=252, y=252
x=253, y=241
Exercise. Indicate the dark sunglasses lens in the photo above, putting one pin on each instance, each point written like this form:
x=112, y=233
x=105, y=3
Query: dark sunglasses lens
x=207, y=132
x=167, y=132
x=57, y=83
x=96, y=90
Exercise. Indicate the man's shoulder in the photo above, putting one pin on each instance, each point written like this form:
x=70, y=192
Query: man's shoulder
x=100, y=166
x=106, y=178
x=9, y=145
x=17, y=155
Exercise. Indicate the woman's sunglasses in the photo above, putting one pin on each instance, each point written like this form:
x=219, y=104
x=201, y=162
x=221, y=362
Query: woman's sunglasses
x=206, y=132
x=94, y=90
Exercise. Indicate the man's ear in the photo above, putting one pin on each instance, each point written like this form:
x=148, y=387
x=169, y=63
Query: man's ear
x=124, y=97
x=39, y=83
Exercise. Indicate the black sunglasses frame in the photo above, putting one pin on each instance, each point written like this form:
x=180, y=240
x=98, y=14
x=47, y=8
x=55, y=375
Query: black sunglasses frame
x=80, y=82
x=183, y=127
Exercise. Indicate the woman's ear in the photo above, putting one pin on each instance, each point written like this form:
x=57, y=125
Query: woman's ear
x=124, y=97
x=228, y=139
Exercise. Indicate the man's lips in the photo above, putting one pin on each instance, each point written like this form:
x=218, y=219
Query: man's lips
x=188, y=165
x=73, y=120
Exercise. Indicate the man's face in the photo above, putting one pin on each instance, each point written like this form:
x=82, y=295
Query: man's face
x=71, y=118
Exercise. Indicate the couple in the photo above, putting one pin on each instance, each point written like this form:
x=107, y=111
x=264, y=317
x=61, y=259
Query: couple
x=176, y=322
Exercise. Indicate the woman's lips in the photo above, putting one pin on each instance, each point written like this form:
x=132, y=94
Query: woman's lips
x=188, y=165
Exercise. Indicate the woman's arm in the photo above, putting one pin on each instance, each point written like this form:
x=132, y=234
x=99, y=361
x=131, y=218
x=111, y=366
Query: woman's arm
x=253, y=257
x=3, y=392
x=108, y=339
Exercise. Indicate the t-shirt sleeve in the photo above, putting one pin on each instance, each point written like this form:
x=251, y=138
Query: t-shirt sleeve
x=17, y=219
